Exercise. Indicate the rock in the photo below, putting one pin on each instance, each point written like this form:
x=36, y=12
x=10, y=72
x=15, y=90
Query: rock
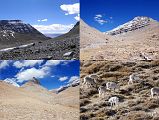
x=68, y=54
x=48, y=58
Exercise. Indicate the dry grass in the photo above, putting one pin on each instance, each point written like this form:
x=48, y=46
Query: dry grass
x=135, y=102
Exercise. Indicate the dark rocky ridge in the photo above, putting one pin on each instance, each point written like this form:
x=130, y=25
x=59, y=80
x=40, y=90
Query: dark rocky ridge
x=14, y=33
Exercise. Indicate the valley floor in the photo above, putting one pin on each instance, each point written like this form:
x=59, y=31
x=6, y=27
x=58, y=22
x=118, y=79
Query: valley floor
x=48, y=49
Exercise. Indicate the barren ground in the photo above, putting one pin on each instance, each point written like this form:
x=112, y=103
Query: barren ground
x=36, y=103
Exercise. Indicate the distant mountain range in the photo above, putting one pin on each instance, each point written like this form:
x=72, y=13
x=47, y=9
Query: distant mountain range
x=22, y=41
x=36, y=82
x=52, y=35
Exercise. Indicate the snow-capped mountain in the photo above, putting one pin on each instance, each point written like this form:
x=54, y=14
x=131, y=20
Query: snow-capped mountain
x=16, y=26
x=136, y=23
x=15, y=33
x=70, y=84
x=12, y=82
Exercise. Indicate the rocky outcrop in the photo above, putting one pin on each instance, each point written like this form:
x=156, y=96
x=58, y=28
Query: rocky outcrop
x=15, y=33
x=136, y=23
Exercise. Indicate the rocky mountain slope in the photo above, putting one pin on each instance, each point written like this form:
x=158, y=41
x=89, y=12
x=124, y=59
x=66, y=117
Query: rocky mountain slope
x=136, y=23
x=62, y=47
x=32, y=101
x=15, y=33
x=89, y=36
x=135, y=102
x=71, y=84
x=134, y=40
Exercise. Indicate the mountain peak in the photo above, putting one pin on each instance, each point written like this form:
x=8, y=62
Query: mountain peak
x=10, y=21
x=35, y=81
x=136, y=23
x=142, y=18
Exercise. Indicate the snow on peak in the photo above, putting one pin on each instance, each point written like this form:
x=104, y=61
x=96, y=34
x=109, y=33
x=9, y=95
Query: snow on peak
x=10, y=21
x=12, y=81
x=73, y=83
x=16, y=26
x=136, y=23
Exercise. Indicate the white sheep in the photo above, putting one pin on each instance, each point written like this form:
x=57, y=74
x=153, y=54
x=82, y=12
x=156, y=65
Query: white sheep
x=89, y=82
x=112, y=85
x=154, y=90
x=102, y=91
x=94, y=76
x=133, y=77
x=113, y=101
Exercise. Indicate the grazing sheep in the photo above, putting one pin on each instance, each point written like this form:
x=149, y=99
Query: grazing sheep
x=154, y=90
x=102, y=91
x=133, y=77
x=89, y=82
x=113, y=101
x=94, y=76
x=112, y=85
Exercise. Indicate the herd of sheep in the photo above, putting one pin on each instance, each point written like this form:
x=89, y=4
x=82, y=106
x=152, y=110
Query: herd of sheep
x=91, y=80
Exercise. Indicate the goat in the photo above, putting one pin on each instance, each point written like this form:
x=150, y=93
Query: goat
x=112, y=85
x=89, y=82
x=154, y=90
x=113, y=101
x=133, y=77
x=95, y=76
x=102, y=91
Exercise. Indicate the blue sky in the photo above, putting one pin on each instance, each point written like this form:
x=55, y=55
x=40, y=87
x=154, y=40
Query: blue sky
x=49, y=11
x=51, y=74
x=112, y=13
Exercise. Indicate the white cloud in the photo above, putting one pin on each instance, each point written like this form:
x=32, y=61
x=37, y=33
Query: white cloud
x=28, y=74
x=111, y=17
x=54, y=28
x=73, y=78
x=70, y=8
x=27, y=63
x=52, y=62
x=99, y=18
x=63, y=78
x=4, y=64
x=77, y=17
x=43, y=20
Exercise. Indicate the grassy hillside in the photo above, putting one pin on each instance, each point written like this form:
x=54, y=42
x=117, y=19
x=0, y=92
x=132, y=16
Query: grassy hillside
x=134, y=100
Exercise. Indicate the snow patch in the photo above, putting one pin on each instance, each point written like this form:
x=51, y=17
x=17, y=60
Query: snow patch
x=11, y=81
x=136, y=23
x=13, y=48
x=73, y=83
